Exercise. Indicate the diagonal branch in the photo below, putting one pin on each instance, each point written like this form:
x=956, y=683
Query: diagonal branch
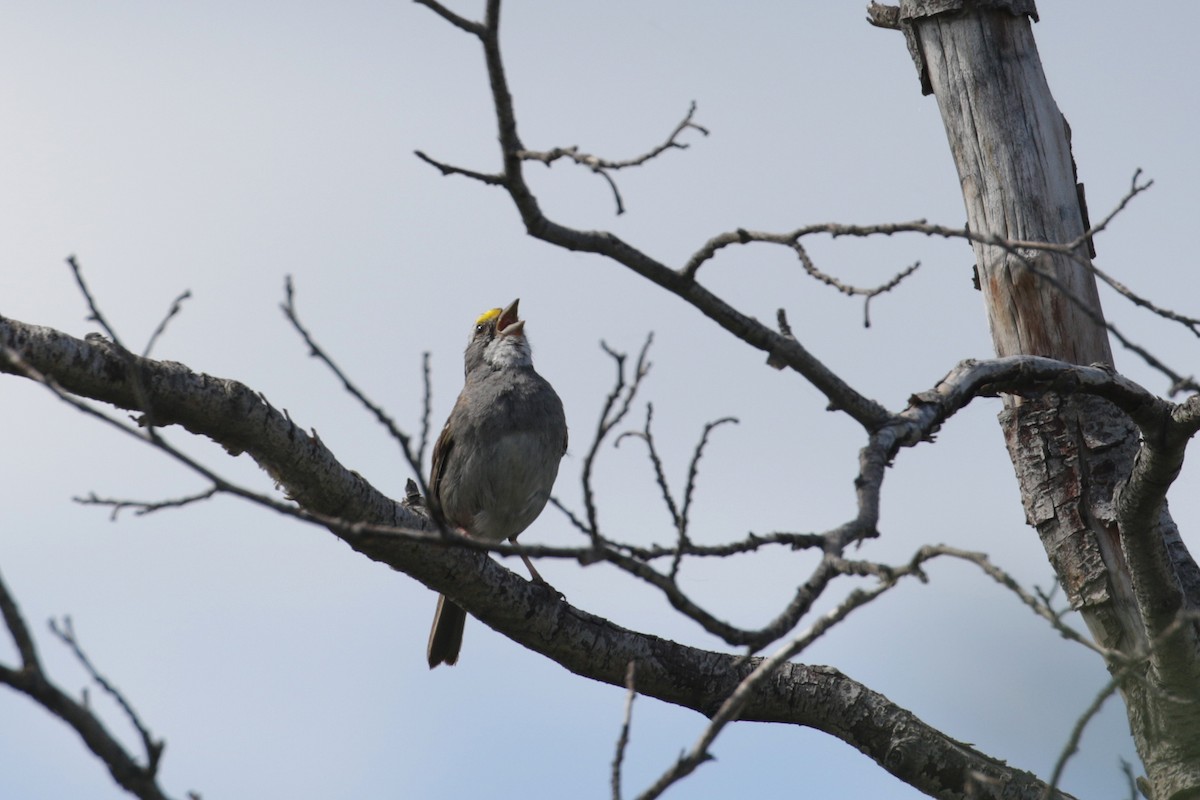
x=779, y=348
x=488, y=178
x=65, y=631
x=32, y=681
x=19, y=631
x=413, y=457
x=176, y=307
x=462, y=23
x=237, y=418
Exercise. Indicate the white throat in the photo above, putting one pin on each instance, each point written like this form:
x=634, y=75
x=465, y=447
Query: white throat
x=509, y=351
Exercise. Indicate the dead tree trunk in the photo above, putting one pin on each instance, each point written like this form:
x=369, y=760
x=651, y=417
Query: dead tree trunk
x=1073, y=455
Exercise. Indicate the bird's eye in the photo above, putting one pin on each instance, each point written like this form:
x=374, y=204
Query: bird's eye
x=479, y=329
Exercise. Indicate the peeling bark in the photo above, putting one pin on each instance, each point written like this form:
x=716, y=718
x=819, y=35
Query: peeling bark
x=1122, y=565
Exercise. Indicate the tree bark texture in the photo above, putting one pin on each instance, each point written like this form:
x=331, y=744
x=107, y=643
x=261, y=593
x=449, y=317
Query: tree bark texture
x=1072, y=454
x=241, y=420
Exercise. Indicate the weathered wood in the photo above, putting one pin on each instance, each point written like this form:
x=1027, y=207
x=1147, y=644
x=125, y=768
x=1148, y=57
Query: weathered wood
x=1071, y=454
x=1014, y=164
x=1015, y=169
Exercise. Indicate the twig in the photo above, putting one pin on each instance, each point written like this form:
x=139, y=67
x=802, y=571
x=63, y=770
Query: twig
x=616, y=406
x=17, y=364
x=1127, y=670
x=1131, y=780
x=1191, y=323
x=154, y=747
x=1134, y=190
x=575, y=521
x=626, y=724
x=689, y=488
x=491, y=179
x=888, y=578
x=1129, y=667
x=731, y=708
x=94, y=313
x=1041, y=606
x=142, y=507
x=679, y=515
x=752, y=542
x=426, y=407
x=1179, y=383
x=602, y=166
x=1072, y=745
x=866, y=411
x=176, y=307
x=919, y=226
x=1015, y=247
x=886, y=287
x=671, y=142
x=656, y=463
x=847, y=289
x=462, y=23
x=315, y=350
x=114, y=342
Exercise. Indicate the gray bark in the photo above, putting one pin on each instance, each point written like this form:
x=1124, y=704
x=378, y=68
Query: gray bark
x=240, y=419
x=1080, y=462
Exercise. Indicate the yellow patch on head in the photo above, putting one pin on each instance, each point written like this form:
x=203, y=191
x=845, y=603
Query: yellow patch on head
x=488, y=316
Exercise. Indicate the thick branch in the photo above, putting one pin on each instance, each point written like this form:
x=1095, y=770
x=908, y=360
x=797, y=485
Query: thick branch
x=226, y=411
x=231, y=414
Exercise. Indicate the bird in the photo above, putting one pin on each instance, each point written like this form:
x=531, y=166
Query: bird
x=497, y=457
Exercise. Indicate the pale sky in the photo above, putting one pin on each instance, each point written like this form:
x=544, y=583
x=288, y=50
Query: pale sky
x=219, y=147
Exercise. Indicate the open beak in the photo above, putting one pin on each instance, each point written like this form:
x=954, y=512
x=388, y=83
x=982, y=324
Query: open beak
x=508, y=324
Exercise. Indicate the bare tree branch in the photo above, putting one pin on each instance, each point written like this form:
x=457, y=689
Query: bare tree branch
x=689, y=487
x=143, y=507
x=1019, y=248
x=449, y=169
x=316, y=351
x=909, y=428
x=595, y=162
x=462, y=23
x=94, y=314
x=114, y=341
x=626, y=724
x=1072, y=745
x=1127, y=669
x=65, y=631
x=426, y=408
x=176, y=307
x=19, y=631
x=616, y=407
x=782, y=350
x=32, y=681
x=660, y=476
x=679, y=514
x=919, y=226
x=202, y=404
x=735, y=705
x=603, y=166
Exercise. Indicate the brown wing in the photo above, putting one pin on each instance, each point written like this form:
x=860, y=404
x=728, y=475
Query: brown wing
x=441, y=451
